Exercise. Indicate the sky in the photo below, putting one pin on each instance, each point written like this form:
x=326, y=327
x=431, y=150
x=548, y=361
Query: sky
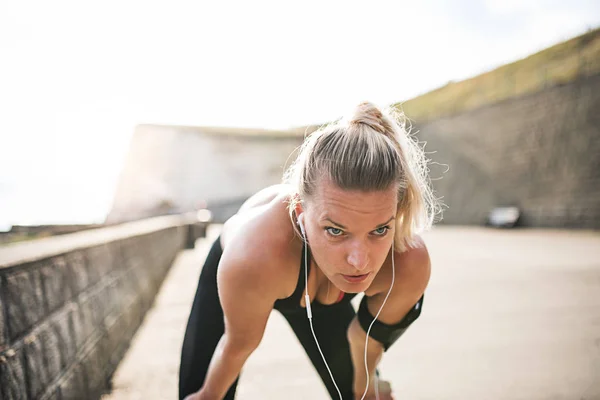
x=77, y=76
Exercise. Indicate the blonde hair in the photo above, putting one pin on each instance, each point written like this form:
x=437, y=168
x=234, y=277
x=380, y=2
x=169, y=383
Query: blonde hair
x=371, y=150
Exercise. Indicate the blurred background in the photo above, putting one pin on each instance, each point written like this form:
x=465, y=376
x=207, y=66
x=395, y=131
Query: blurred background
x=93, y=95
x=120, y=111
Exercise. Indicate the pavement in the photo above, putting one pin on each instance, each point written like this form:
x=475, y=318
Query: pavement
x=508, y=315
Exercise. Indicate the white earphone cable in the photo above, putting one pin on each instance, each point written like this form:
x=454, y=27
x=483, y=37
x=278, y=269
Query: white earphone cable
x=309, y=313
x=369, y=331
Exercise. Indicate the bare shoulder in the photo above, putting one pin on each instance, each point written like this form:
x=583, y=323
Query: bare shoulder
x=412, y=267
x=259, y=244
x=413, y=270
x=412, y=273
x=415, y=260
x=265, y=196
x=251, y=274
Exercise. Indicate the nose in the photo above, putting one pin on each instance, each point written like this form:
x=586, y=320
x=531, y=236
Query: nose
x=358, y=257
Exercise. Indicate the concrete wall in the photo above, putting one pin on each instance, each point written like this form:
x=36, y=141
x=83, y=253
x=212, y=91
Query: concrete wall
x=540, y=152
x=177, y=169
x=69, y=305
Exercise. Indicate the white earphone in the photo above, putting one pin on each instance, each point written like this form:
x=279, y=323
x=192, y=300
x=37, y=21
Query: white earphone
x=309, y=314
x=300, y=218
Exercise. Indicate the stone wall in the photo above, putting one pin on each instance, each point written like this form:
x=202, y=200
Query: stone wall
x=69, y=305
x=540, y=152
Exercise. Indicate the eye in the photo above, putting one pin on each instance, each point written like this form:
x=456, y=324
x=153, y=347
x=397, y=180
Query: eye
x=381, y=231
x=334, y=231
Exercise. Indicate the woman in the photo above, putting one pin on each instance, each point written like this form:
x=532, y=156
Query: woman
x=345, y=221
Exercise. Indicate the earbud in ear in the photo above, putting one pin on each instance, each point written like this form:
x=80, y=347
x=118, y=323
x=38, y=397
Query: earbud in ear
x=300, y=218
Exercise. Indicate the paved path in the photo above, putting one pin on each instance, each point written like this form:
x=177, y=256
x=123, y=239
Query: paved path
x=508, y=315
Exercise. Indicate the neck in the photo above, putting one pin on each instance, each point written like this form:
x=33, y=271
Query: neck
x=324, y=284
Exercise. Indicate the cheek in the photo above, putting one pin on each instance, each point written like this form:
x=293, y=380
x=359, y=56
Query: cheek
x=331, y=257
x=380, y=251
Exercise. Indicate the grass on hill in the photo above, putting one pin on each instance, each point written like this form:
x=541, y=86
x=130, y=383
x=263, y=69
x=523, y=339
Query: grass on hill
x=555, y=65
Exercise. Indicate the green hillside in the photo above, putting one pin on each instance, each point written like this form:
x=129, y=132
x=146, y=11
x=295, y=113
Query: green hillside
x=558, y=64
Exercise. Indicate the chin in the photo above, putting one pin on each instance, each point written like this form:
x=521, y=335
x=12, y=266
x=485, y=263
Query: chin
x=353, y=289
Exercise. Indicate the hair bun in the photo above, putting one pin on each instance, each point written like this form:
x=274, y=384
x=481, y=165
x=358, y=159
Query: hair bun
x=368, y=114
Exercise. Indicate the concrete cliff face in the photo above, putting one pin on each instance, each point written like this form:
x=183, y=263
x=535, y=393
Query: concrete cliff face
x=174, y=169
x=540, y=152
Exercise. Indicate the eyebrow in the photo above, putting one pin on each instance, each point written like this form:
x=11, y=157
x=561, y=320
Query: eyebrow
x=343, y=227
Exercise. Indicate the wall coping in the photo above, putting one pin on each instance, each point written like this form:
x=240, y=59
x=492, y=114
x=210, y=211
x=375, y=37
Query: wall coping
x=37, y=249
x=246, y=133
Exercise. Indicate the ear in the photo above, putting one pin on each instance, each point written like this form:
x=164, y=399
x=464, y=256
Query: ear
x=298, y=209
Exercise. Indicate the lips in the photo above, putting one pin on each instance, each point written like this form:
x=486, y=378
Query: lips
x=356, y=278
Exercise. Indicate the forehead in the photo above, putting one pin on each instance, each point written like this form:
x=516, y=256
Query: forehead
x=331, y=201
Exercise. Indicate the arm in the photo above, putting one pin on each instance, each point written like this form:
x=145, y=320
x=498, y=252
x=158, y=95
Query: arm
x=357, y=337
x=413, y=270
x=247, y=297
